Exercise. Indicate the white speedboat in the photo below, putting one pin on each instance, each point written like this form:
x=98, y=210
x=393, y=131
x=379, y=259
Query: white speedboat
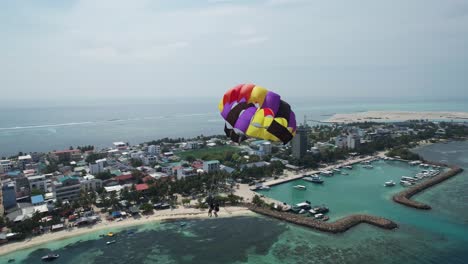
x=367, y=166
x=389, y=184
x=110, y=242
x=50, y=257
x=300, y=187
x=406, y=183
x=327, y=173
x=348, y=167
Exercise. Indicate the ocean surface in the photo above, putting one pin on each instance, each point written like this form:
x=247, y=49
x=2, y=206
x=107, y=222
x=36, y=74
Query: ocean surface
x=437, y=236
x=46, y=126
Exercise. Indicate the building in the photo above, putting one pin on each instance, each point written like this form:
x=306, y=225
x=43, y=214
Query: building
x=8, y=195
x=90, y=183
x=148, y=160
x=299, y=143
x=23, y=160
x=38, y=182
x=154, y=149
x=37, y=200
x=67, y=188
x=353, y=141
x=265, y=148
x=120, y=145
x=5, y=166
x=97, y=167
x=341, y=142
x=185, y=172
x=66, y=155
x=210, y=166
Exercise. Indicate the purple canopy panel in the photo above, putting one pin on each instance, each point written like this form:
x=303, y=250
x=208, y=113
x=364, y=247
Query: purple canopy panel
x=292, y=121
x=244, y=119
x=272, y=101
x=226, y=109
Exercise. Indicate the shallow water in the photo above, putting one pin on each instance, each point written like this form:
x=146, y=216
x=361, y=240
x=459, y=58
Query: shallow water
x=438, y=236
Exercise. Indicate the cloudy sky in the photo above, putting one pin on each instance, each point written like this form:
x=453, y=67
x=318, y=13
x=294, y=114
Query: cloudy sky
x=150, y=48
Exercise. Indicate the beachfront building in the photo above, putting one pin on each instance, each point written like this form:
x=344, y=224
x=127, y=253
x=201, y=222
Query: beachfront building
x=38, y=182
x=5, y=166
x=23, y=160
x=154, y=149
x=353, y=141
x=299, y=143
x=90, y=183
x=97, y=167
x=8, y=195
x=211, y=166
x=120, y=145
x=66, y=155
x=67, y=188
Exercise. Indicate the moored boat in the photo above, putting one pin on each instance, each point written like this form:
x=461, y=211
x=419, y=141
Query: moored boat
x=313, y=179
x=406, y=183
x=389, y=183
x=300, y=187
x=110, y=242
x=348, y=167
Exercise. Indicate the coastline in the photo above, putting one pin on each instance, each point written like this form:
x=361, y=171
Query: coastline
x=176, y=214
x=386, y=116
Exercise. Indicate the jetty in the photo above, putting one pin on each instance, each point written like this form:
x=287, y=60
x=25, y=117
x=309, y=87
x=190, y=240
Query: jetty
x=338, y=226
x=404, y=197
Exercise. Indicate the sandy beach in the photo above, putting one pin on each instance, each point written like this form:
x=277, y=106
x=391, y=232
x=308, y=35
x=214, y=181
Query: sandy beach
x=382, y=116
x=179, y=213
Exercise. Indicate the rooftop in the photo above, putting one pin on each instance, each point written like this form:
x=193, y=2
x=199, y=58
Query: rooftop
x=37, y=199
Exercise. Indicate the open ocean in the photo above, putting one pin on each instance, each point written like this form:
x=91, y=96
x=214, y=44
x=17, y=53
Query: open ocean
x=435, y=236
x=46, y=126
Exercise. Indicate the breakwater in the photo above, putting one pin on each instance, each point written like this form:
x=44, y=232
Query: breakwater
x=404, y=197
x=338, y=226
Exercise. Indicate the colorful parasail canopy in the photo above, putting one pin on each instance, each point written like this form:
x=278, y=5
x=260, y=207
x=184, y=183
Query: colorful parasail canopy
x=253, y=111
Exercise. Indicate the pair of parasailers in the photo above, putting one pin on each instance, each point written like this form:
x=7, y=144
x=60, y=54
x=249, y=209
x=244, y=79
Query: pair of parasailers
x=213, y=206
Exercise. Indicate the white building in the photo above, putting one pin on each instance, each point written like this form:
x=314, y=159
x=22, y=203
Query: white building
x=353, y=141
x=23, y=160
x=210, y=166
x=5, y=166
x=149, y=160
x=97, y=167
x=185, y=172
x=90, y=183
x=38, y=182
x=67, y=188
x=154, y=149
x=265, y=148
x=120, y=145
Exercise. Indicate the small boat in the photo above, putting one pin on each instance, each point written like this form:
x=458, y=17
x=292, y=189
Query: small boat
x=50, y=257
x=389, y=183
x=110, y=234
x=367, y=166
x=319, y=210
x=336, y=170
x=406, y=183
x=183, y=224
x=264, y=188
x=300, y=187
x=325, y=218
x=313, y=179
x=318, y=216
x=408, y=179
x=348, y=167
x=327, y=173
x=110, y=242
x=344, y=173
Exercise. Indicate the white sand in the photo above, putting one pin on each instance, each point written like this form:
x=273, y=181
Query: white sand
x=377, y=116
x=179, y=213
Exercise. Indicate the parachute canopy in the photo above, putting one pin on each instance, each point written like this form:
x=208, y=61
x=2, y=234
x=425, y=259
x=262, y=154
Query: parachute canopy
x=253, y=111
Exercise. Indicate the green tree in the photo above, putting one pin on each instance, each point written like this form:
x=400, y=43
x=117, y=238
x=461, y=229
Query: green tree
x=35, y=191
x=146, y=208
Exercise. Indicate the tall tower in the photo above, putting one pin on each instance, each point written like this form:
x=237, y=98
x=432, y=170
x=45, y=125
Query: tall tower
x=299, y=143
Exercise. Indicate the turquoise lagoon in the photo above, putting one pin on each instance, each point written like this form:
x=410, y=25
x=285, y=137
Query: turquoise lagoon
x=437, y=236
